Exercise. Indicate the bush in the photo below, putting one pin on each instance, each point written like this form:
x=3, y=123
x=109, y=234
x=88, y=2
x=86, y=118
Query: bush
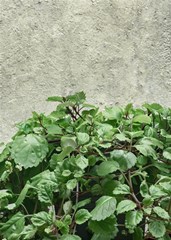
x=108, y=171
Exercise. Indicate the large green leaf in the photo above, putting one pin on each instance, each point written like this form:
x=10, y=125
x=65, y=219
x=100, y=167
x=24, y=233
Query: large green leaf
x=28, y=232
x=157, y=229
x=41, y=218
x=113, y=113
x=121, y=189
x=126, y=160
x=146, y=150
x=14, y=225
x=125, y=206
x=107, y=167
x=133, y=218
x=28, y=151
x=105, y=207
x=105, y=226
x=142, y=119
x=161, y=212
x=81, y=162
x=82, y=138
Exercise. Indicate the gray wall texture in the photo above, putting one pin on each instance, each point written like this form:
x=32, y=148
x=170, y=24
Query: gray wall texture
x=117, y=51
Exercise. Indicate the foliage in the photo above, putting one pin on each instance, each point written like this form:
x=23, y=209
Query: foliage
x=109, y=170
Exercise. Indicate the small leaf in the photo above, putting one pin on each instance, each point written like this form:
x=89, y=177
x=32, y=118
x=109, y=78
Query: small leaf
x=81, y=162
x=167, y=153
x=82, y=216
x=5, y=194
x=142, y=119
x=157, y=229
x=125, y=206
x=67, y=207
x=67, y=141
x=55, y=99
x=161, y=212
x=133, y=218
x=70, y=237
x=144, y=189
x=83, y=138
x=41, y=218
x=81, y=203
x=107, y=167
x=113, y=113
x=105, y=207
x=71, y=184
x=121, y=189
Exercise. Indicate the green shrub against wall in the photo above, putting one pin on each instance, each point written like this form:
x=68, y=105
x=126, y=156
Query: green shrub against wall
x=109, y=171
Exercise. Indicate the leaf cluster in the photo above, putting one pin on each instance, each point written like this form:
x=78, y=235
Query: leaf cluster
x=109, y=171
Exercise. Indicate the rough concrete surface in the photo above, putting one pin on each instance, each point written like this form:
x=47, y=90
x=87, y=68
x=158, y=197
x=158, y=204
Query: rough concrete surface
x=117, y=51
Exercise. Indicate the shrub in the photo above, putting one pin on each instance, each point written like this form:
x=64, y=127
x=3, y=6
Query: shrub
x=108, y=171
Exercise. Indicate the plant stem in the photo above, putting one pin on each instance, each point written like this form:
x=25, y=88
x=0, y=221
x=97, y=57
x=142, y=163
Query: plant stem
x=76, y=201
x=132, y=191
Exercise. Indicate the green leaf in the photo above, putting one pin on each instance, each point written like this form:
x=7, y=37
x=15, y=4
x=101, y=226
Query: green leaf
x=71, y=184
x=138, y=234
x=107, y=167
x=82, y=216
x=23, y=194
x=113, y=113
x=55, y=99
x=70, y=237
x=81, y=203
x=14, y=225
x=28, y=232
x=28, y=151
x=133, y=218
x=68, y=142
x=67, y=207
x=125, y=206
x=152, y=141
x=105, y=207
x=148, y=201
x=144, y=189
x=53, y=129
x=156, y=191
x=157, y=229
x=126, y=160
x=121, y=189
x=4, y=193
x=146, y=150
x=41, y=218
x=161, y=212
x=78, y=97
x=167, y=153
x=63, y=224
x=81, y=162
x=83, y=138
x=121, y=137
x=136, y=134
x=105, y=226
x=142, y=119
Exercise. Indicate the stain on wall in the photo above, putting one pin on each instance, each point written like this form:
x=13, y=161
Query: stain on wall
x=117, y=51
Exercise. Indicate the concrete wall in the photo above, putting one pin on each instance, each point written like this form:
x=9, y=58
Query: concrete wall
x=117, y=51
